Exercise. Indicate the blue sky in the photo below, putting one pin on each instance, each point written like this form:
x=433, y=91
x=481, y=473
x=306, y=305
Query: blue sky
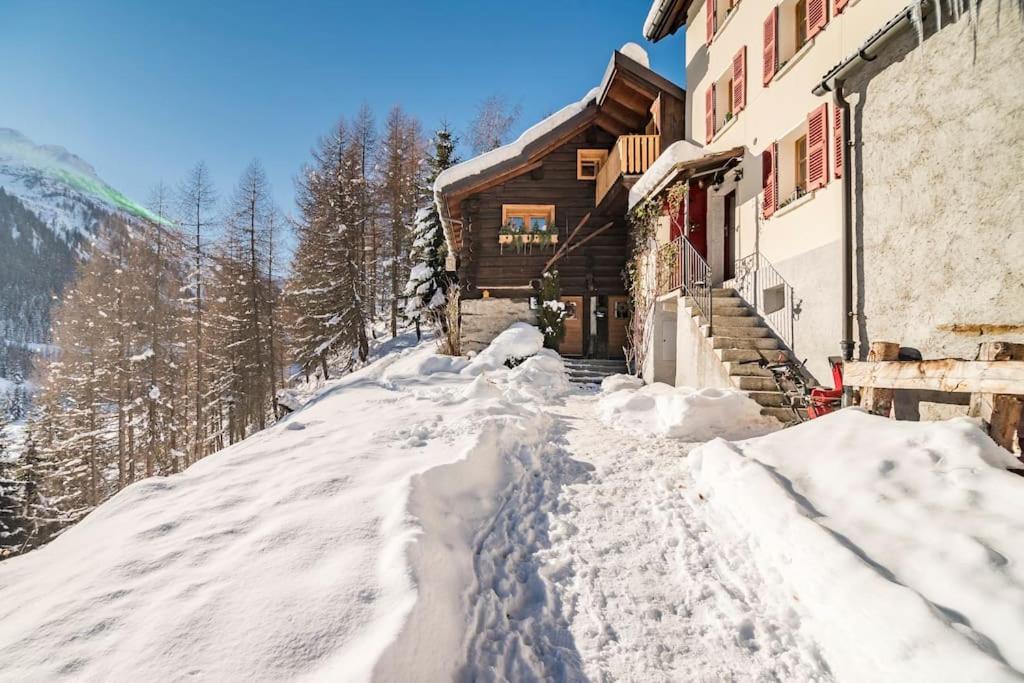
x=142, y=89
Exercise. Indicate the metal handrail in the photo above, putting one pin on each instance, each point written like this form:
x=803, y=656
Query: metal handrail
x=680, y=266
x=764, y=288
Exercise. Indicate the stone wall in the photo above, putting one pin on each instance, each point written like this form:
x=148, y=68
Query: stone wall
x=939, y=224
x=485, y=319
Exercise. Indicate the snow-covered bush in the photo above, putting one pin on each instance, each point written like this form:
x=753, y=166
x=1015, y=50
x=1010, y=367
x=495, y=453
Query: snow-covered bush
x=552, y=314
x=521, y=340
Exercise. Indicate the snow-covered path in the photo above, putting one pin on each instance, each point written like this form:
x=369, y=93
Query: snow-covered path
x=651, y=593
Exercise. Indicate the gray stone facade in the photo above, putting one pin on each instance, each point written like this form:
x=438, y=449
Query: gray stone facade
x=485, y=319
x=939, y=172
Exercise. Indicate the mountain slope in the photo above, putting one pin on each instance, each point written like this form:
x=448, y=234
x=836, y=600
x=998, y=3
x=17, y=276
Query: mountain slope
x=51, y=203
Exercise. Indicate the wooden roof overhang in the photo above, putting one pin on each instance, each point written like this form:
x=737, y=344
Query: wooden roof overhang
x=719, y=162
x=671, y=16
x=627, y=94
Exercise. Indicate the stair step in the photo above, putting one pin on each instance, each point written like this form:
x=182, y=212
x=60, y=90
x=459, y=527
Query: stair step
x=725, y=292
x=745, y=370
x=722, y=342
x=768, y=399
x=772, y=356
x=722, y=330
x=719, y=303
x=755, y=383
x=745, y=319
x=784, y=415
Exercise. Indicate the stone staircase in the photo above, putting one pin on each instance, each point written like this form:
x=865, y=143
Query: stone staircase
x=741, y=335
x=592, y=371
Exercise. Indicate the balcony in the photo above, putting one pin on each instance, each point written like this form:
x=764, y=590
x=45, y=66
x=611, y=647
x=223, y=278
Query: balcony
x=631, y=155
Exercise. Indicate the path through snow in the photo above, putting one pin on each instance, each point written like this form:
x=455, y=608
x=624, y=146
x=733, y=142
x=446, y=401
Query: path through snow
x=650, y=592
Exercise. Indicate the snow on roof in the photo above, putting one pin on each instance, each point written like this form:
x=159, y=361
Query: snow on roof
x=652, y=16
x=677, y=152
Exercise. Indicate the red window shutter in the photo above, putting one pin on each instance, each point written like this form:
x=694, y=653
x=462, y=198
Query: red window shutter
x=817, y=148
x=770, y=179
x=837, y=141
x=840, y=6
x=817, y=17
x=709, y=10
x=739, y=80
x=709, y=113
x=771, y=53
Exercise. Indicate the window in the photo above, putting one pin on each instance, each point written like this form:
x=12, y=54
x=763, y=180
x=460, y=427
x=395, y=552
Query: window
x=518, y=218
x=727, y=96
x=621, y=310
x=717, y=11
x=589, y=162
x=570, y=310
x=800, y=157
x=788, y=29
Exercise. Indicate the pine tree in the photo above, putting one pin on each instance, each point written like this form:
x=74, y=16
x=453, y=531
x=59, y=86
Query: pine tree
x=427, y=288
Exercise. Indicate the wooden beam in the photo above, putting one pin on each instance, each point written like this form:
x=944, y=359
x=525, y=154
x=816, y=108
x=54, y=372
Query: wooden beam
x=583, y=241
x=948, y=374
x=876, y=400
x=558, y=254
x=613, y=126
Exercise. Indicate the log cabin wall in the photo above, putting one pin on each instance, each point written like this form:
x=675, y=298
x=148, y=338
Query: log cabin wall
x=599, y=263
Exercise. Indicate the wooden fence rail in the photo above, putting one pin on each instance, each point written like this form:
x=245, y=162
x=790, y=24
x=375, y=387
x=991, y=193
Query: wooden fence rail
x=995, y=381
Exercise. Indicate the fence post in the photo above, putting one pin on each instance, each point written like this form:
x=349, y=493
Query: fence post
x=1001, y=413
x=879, y=401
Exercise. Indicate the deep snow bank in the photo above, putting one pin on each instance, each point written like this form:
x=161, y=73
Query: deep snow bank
x=680, y=412
x=285, y=556
x=904, y=541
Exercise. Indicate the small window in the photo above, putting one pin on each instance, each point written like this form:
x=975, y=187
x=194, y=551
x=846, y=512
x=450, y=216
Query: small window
x=621, y=310
x=570, y=310
x=528, y=217
x=800, y=158
x=589, y=162
x=801, y=23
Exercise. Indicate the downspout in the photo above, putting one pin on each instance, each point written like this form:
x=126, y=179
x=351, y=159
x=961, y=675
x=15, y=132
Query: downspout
x=846, y=345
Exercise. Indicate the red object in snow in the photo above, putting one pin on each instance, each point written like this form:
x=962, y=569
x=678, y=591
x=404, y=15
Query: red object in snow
x=824, y=401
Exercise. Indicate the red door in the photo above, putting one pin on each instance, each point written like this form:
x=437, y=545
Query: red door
x=698, y=234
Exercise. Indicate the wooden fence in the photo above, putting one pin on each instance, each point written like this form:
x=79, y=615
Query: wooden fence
x=995, y=381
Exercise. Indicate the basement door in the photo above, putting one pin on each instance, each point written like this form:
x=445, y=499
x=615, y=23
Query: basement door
x=572, y=343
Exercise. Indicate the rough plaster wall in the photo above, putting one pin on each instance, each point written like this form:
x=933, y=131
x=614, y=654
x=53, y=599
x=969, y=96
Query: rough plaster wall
x=485, y=319
x=942, y=171
x=816, y=278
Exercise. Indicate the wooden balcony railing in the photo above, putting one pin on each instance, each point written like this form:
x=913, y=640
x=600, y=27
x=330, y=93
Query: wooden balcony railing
x=632, y=155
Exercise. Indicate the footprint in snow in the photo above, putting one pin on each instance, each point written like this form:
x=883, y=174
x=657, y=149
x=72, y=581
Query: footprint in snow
x=295, y=426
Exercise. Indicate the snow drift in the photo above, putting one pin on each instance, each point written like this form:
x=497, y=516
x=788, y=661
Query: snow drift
x=681, y=412
x=902, y=540
x=287, y=556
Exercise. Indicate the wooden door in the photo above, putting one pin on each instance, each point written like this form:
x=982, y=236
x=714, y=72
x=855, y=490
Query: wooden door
x=572, y=343
x=698, y=220
x=618, y=318
x=729, y=243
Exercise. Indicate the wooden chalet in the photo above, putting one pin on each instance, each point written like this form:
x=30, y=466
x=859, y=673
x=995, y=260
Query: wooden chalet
x=557, y=199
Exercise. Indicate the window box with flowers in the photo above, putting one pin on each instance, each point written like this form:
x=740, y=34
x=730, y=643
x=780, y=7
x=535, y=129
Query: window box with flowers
x=526, y=226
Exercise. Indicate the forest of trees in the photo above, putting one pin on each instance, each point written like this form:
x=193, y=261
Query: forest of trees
x=175, y=337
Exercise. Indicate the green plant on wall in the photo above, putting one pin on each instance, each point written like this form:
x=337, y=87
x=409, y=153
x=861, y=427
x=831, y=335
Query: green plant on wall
x=551, y=314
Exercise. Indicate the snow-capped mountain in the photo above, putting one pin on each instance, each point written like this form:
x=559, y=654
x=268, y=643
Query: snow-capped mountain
x=51, y=203
x=60, y=188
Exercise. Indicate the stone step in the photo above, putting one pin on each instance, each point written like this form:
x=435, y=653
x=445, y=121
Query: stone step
x=722, y=330
x=719, y=303
x=775, y=356
x=755, y=383
x=725, y=292
x=783, y=415
x=745, y=370
x=768, y=399
x=723, y=342
x=745, y=319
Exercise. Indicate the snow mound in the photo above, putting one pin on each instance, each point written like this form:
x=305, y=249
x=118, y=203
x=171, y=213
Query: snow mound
x=541, y=377
x=902, y=540
x=420, y=362
x=521, y=340
x=637, y=54
x=613, y=383
x=684, y=413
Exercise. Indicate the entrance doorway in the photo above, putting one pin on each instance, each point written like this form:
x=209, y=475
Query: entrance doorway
x=618, y=317
x=729, y=241
x=698, y=218
x=572, y=343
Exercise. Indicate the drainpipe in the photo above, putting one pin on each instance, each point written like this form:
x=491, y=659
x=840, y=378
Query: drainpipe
x=846, y=345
